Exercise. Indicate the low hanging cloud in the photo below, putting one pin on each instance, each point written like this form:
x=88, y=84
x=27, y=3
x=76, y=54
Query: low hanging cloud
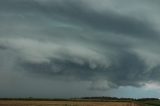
x=70, y=62
x=76, y=40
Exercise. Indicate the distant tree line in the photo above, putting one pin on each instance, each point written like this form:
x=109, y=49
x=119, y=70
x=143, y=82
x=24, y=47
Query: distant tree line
x=116, y=98
x=147, y=99
x=103, y=98
x=36, y=99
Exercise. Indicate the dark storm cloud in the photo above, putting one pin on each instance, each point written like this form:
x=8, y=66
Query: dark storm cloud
x=1, y=47
x=78, y=12
x=110, y=21
x=74, y=40
x=128, y=70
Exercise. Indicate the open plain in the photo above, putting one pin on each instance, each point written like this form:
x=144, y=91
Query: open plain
x=62, y=103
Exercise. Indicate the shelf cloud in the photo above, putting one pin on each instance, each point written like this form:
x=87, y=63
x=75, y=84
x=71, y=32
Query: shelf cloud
x=109, y=43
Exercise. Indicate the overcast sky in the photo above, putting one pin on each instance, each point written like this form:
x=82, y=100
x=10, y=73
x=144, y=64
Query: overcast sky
x=75, y=48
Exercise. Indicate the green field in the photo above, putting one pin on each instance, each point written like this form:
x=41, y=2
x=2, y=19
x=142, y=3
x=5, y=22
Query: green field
x=151, y=103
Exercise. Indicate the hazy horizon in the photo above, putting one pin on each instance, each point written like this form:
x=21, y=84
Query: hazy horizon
x=79, y=48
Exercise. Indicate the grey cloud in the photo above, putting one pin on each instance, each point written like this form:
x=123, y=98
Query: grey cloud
x=78, y=13
x=154, y=74
x=109, y=21
x=53, y=60
x=130, y=69
x=2, y=47
x=72, y=40
x=125, y=70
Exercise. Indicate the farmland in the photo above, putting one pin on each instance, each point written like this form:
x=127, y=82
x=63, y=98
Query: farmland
x=62, y=103
x=86, y=101
x=149, y=103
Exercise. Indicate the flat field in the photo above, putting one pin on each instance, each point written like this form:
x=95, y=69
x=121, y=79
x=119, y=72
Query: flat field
x=62, y=103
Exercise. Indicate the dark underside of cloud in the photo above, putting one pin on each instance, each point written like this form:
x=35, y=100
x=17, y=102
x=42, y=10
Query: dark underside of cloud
x=127, y=70
x=72, y=40
x=109, y=21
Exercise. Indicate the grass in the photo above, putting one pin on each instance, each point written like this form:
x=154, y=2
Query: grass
x=150, y=103
x=63, y=103
x=79, y=102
